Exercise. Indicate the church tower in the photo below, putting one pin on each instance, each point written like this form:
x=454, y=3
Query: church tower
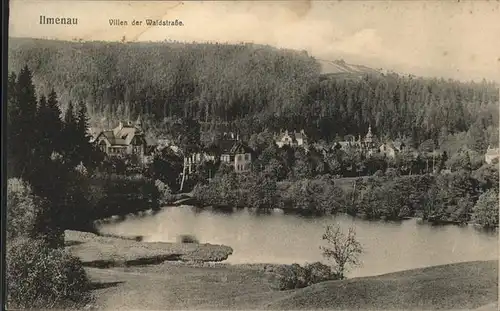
x=369, y=138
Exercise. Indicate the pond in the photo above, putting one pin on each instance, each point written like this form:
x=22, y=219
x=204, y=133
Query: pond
x=280, y=238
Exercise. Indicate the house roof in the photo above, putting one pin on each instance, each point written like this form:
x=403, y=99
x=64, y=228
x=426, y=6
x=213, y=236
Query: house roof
x=122, y=135
x=292, y=134
x=282, y=135
x=240, y=147
x=493, y=151
x=225, y=145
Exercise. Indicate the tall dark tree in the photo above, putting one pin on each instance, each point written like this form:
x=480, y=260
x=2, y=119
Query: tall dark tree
x=43, y=140
x=21, y=134
x=82, y=134
x=49, y=117
x=477, y=137
x=11, y=118
x=70, y=136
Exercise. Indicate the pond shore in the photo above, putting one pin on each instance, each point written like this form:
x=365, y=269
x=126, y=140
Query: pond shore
x=130, y=274
x=106, y=251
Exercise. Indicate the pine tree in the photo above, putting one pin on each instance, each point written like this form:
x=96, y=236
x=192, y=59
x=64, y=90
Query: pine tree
x=82, y=119
x=22, y=112
x=43, y=140
x=49, y=118
x=477, y=139
x=70, y=136
x=12, y=88
x=11, y=119
x=54, y=125
x=83, y=138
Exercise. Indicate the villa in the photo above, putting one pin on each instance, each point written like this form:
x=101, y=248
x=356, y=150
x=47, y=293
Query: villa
x=125, y=139
x=491, y=155
x=292, y=139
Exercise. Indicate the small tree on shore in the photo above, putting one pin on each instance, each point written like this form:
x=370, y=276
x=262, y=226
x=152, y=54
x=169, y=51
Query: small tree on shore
x=343, y=249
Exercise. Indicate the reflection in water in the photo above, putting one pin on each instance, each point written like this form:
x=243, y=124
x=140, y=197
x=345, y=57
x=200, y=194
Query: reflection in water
x=281, y=238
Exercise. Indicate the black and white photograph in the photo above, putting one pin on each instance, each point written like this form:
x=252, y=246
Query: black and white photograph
x=252, y=155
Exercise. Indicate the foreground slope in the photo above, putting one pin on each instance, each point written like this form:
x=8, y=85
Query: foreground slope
x=462, y=286
x=173, y=286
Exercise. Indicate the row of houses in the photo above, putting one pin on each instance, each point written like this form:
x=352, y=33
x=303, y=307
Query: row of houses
x=128, y=138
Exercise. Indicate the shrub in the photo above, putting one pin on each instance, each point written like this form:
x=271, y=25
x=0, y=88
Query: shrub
x=164, y=191
x=187, y=238
x=392, y=173
x=485, y=212
x=42, y=277
x=285, y=277
x=315, y=195
x=22, y=210
x=319, y=272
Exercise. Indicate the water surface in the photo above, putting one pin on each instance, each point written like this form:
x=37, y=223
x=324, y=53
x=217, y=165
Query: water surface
x=279, y=238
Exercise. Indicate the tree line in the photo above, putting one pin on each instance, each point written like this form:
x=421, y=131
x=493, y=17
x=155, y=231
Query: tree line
x=42, y=152
x=51, y=151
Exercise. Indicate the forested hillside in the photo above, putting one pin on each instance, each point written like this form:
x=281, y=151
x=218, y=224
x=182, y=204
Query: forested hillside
x=261, y=86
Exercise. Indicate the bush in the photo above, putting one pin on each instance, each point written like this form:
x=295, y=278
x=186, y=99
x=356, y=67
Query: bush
x=22, y=209
x=485, y=212
x=165, y=193
x=319, y=272
x=42, y=277
x=285, y=277
x=315, y=195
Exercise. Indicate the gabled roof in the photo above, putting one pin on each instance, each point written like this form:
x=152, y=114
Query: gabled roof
x=225, y=145
x=293, y=135
x=240, y=147
x=122, y=135
x=493, y=151
x=282, y=135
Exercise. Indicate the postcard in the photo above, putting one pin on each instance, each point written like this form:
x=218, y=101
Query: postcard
x=260, y=155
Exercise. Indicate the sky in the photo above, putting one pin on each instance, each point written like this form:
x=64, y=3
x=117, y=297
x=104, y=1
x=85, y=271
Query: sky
x=453, y=39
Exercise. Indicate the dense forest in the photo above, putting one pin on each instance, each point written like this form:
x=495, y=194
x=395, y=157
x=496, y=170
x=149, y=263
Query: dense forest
x=58, y=180
x=255, y=87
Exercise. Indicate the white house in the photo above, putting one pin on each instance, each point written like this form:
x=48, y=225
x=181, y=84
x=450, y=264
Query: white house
x=491, y=154
x=124, y=139
x=239, y=155
x=291, y=139
x=388, y=150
